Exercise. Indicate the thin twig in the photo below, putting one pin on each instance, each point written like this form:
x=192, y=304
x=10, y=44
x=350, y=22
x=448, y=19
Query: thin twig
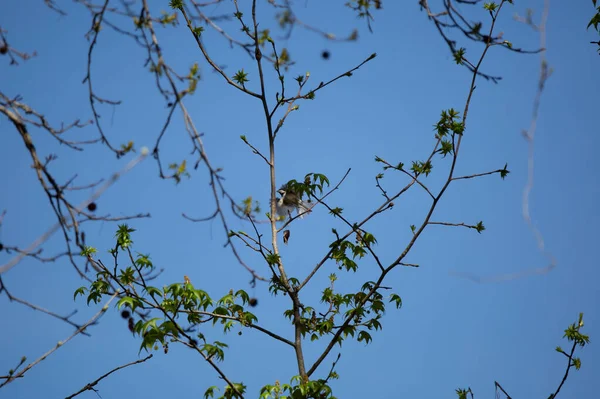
x=44, y=237
x=90, y=386
x=61, y=343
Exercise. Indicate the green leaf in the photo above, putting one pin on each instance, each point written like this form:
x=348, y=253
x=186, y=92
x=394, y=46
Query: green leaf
x=79, y=291
x=459, y=55
x=504, y=172
x=272, y=259
x=457, y=127
x=336, y=211
x=180, y=170
x=127, y=301
x=479, y=227
x=123, y=236
x=88, y=251
x=241, y=77
x=153, y=291
x=198, y=30
x=462, y=393
x=176, y=4
x=595, y=20
x=446, y=148
x=210, y=392
x=168, y=327
x=490, y=6
x=396, y=298
x=364, y=336
x=143, y=261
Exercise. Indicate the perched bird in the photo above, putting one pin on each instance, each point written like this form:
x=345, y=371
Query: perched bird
x=290, y=201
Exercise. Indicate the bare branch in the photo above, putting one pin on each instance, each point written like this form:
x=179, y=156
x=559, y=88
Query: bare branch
x=66, y=319
x=61, y=343
x=90, y=386
x=44, y=237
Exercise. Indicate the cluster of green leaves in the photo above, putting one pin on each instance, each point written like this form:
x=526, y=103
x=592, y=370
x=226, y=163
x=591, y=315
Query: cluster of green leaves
x=459, y=55
x=229, y=392
x=198, y=30
x=168, y=19
x=421, y=167
x=449, y=125
x=264, y=36
x=312, y=186
x=171, y=304
x=275, y=285
x=176, y=4
x=362, y=315
x=240, y=77
x=249, y=206
x=179, y=170
x=462, y=393
x=123, y=237
x=573, y=335
x=297, y=389
x=504, y=171
x=126, y=148
x=193, y=78
x=357, y=249
x=492, y=6
x=449, y=122
x=282, y=59
x=479, y=227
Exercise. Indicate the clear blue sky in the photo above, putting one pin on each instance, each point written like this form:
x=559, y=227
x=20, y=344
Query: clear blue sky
x=450, y=333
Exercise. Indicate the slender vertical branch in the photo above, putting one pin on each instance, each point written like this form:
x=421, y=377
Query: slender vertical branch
x=427, y=218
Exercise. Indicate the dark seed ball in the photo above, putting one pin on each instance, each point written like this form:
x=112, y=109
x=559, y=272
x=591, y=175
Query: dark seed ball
x=130, y=324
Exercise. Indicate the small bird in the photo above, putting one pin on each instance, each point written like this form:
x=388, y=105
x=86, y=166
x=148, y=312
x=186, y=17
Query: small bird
x=289, y=201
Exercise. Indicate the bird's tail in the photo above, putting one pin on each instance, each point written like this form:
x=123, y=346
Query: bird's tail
x=304, y=208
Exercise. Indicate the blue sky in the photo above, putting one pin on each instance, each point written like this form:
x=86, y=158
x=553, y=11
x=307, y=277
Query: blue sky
x=450, y=332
